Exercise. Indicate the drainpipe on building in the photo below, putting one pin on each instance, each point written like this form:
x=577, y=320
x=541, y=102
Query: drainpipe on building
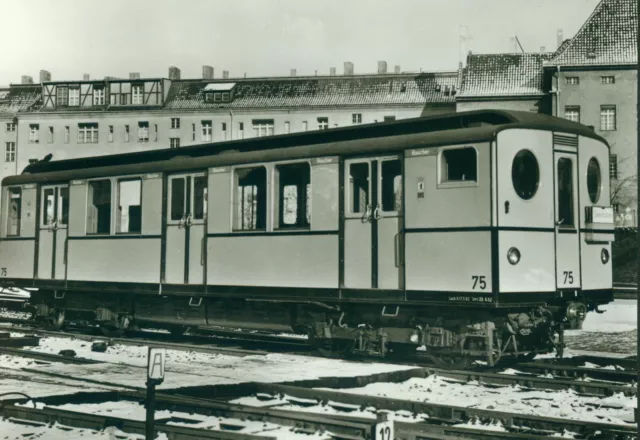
x=558, y=93
x=15, y=121
x=231, y=126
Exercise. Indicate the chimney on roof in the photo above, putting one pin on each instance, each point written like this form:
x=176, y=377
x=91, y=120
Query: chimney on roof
x=225, y=74
x=293, y=72
x=174, y=72
x=45, y=76
x=134, y=75
x=396, y=69
x=109, y=78
x=26, y=79
x=85, y=77
x=332, y=71
x=207, y=72
x=559, y=36
x=382, y=67
x=543, y=49
x=348, y=68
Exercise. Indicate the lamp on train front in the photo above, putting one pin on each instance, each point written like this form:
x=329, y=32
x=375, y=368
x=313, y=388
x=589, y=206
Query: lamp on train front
x=513, y=255
x=604, y=256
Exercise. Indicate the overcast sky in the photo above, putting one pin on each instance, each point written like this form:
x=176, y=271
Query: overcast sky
x=266, y=37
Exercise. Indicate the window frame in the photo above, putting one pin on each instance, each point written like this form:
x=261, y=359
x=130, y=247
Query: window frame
x=8, y=217
x=34, y=133
x=117, y=219
x=10, y=127
x=356, y=118
x=67, y=134
x=206, y=130
x=613, y=166
x=175, y=123
x=137, y=94
x=607, y=79
x=62, y=96
x=572, y=108
x=90, y=132
x=127, y=133
x=74, y=101
x=572, y=80
x=143, y=127
x=236, y=203
x=263, y=127
x=278, y=196
x=111, y=195
x=380, y=201
x=323, y=122
x=444, y=184
x=174, y=140
x=9, y=151
x=50, y=135
x=98, y=96
x=609, y=107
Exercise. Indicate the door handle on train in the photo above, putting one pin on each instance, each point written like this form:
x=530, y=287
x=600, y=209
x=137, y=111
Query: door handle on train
x=202, y=245
x=398, y=249
x=367, y=214
x=188, y=220
x=376, y=212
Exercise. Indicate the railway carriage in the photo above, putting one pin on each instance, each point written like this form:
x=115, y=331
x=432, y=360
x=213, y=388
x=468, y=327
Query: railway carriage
x=476, y=235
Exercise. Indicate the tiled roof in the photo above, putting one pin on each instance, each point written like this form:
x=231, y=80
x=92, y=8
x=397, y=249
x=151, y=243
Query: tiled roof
x=398, y=89
x=19, y=98
x=504, y=74
x=608, y=37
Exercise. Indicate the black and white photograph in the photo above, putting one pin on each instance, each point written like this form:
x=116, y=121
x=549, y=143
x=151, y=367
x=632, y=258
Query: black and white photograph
x=336, y=220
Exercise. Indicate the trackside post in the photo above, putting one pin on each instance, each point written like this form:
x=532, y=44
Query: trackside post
x=155, y=376
x=383, y=428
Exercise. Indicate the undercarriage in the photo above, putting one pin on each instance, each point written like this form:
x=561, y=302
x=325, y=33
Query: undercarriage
x=452, y=336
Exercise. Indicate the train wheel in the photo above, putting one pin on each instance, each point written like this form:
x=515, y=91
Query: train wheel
x=334, y=348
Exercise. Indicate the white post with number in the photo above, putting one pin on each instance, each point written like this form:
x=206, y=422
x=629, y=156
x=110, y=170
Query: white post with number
x=383, y=429
x=155, y=376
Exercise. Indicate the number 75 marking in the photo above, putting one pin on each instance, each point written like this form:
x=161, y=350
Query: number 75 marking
x=568, y=276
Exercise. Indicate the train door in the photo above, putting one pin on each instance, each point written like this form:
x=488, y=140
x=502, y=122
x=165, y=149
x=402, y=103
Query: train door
x=373, y=223
x=185, y=230
x=52, y=242
x=566, y=220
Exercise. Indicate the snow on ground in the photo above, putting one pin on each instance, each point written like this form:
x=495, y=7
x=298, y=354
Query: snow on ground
x=558, y=404
x=56, y=431
x=612, y=331
x=126, y=365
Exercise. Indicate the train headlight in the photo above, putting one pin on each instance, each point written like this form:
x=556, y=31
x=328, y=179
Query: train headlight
x=604, y=256
x=513, y=255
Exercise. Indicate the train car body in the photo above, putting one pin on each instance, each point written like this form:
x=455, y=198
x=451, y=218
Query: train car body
x=475, y=235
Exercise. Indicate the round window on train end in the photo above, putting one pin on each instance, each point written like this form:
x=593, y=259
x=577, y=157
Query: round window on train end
x=594, y=180
x=525, y=174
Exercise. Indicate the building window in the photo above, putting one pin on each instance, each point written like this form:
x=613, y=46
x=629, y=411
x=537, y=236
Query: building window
x=34, y=133
x=459, y=165
x=193, y=132
x=126, y=133
x=207, y=131
x=305, y=126
x=226, y=96
x=287, y=127
x=293, y=202
x=74, y=96
x=613, y=166
x=572, y=80
x=175, y=142
x=15, y=212
x=50, y=137
x=608, y=79
x=10, y=126
x=241, y=129
x=323, y=123
x=607, y=117
x=356, y=118
x=98, y=96
x=67, y=134
x=224, y=131
x=110, y=133
x=62, y=96
x=129, y=214
x=389, y=118
x=136, y=94
x=251, y=198
x=262, y=127
x=572, y=113
x=124, y=99
x=99, y=207
x=113, y=98
x=88, y=133
x=10, y=152
x=143, y=131
x=175, y=122
x=155, y=132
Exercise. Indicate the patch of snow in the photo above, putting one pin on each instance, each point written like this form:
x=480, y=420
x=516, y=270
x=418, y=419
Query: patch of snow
x=619, y=316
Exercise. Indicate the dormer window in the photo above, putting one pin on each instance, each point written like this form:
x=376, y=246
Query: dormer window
x=136, y=94
x=74, y=96
x=219, y=92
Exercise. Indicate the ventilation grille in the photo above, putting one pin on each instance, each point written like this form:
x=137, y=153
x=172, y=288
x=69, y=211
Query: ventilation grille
x=564, y=139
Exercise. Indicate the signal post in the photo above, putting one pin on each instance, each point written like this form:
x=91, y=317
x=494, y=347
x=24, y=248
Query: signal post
x=155, y=376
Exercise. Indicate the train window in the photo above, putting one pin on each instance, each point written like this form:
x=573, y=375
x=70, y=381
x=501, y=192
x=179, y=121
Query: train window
x=525, y=174
x=178, y=198
x=594, y=180
x=294, y=195
x=359, y=182
x=251, y=198
x=15, y=212
x=63, y=205
x=99, y=209
x=565, y=192
x=391, y=186
x=199, y=197
x=48, y=206
x=129, y=216
x=459, y=164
